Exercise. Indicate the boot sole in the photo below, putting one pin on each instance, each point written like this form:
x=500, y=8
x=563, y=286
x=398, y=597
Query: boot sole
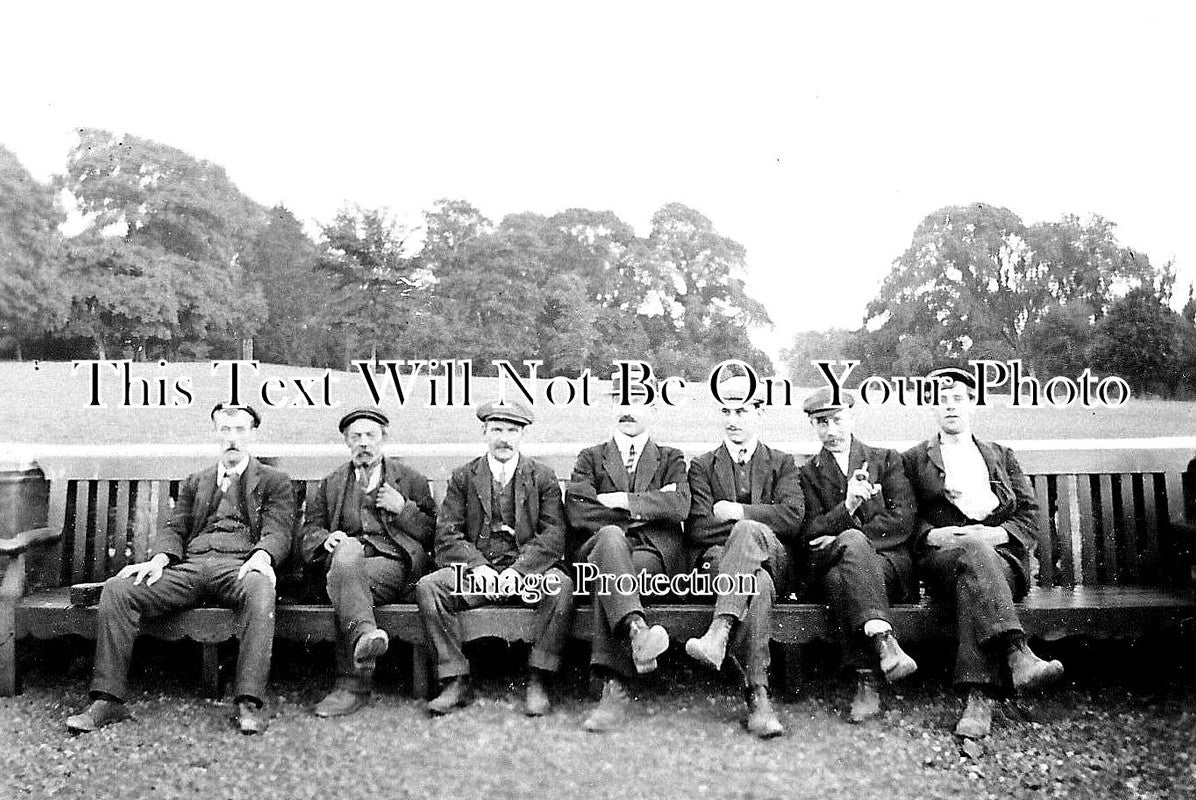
x=656, y=641
x=901, y=671
x=369, y=648
x=1041, y=678
x=698, y=654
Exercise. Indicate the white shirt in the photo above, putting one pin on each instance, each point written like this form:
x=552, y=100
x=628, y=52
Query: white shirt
x=500, y=471
x=842, y=459
x=624, y=443
x=375, y=475
x=233, y=473
x=967, y=481
x=749, y=448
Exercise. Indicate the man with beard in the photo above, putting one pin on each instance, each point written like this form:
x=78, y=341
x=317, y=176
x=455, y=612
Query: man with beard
x=859, y=520
x=977, y=522
x=229, y=529
x=746, y=506
x=369, y=526
x=501, y=528
x=629, y=495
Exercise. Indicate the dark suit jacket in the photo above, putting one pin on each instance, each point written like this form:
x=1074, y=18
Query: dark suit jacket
x=887, y=519
x=539, y=516
x=266, y=499
x=776, y=495
x=655, y=515
x=1016, y=511
x=411, y=531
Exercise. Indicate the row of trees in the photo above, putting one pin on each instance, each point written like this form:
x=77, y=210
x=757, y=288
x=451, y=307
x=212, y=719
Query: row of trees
x=174, y=262
x=978, y=283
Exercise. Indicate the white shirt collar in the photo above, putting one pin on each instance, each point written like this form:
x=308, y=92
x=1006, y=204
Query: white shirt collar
x=235, y=470
x=502, y=472
x=624, y=443
x=375, y=474
x=733, y=449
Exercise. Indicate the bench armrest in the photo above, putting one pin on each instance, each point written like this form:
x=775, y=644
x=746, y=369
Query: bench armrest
x=23, y=541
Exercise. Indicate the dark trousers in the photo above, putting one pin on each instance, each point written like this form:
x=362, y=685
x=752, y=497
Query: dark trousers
x=752, y=549
x=439, y=607
x=356, y=583
x=616, y=554
x=123, y=606
x=979, y=582
x=858, y=583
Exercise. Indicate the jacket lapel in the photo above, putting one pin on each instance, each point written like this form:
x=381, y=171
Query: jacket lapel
x=612, y=461
x=832, y=476
x=204, y=494
x=723, y=474
x=759, y=468
x=521, y=478
x=337, y=484
x=482, y=479
x=645, y=469
x=249, y=484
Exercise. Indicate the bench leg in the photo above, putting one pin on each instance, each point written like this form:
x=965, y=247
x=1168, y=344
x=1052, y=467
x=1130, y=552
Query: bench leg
x=211, y=669
x=790, y=674
x=11, y=588
x=420, y=679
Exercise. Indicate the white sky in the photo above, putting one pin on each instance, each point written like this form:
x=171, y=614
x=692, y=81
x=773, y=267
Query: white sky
x=817, y=137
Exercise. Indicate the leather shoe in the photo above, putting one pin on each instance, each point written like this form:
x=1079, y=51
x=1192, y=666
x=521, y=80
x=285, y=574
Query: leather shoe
x=536, y=704
x=762, y=720
x=894, y=662
x=866, y=703
x=97, y=715
x=368, y=647
x=611, y=711
x=251, y=718
x=457, y=693
x=977, y=719
x=1029, y=671
x=341, y=703
x=647, y=644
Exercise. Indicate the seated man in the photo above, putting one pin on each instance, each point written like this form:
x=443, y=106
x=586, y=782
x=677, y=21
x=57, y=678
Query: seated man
x=977, y=522
x=629, y=495
x=229, y=529
x=501, y=527
x=368, y=526
x=746, y=503
x=859, y=520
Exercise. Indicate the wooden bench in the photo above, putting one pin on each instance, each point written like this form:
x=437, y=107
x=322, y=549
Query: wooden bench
x=1110, y=564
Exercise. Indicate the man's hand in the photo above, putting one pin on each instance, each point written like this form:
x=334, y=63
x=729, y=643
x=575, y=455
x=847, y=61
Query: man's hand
x=957, y=535
x=944, y=536
x=860, y=489
x=669, y=487
x=726, y=511
x=149, y=571
x=485, y=580
x=258, y=562
x=334, y=539
x=819, y=542
x=508, y=582
x=390, y=499
x=614, y=500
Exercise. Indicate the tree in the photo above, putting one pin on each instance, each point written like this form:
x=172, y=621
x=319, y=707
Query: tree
x=33, y=301
x=374, y=280
x=809, y=346
x=1141, y=339
x=282, y=260
x=1060, y=342
x=148, y=202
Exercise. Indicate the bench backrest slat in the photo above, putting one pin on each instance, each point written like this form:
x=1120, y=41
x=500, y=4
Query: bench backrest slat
x=1110, y=561
x=100, y=542
x=79, y=550
x=1088, y=549
x=120, y=529
x=1150, y=527
x=1131, y=555
x=1046, y=549
x=143, y=516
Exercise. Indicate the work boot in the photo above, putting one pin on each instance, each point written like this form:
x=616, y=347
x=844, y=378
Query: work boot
x=977, y=719
x=611, y=711
x=711, y=648
x=1028, y=670
x=99, y=714
x=536, y=704
x=368, y=647
x=762, y=720
x=341, y=703
x=647, y=643
x=894, y=662
x=251, y=717
x=866, y=703
x=456, y=693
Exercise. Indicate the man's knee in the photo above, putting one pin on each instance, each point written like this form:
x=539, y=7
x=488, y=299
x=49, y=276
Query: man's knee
x=766, y=588
x=749, y=529
x=566, y=584
x=258, y=592
x=854, y=541
x=431, y=588
x=608, y=540
x=116, y=593
x=977, y=554
x=348, y=555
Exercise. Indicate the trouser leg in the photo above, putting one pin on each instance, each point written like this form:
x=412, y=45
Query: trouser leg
x=614, y=554
x=751, y=548
x=252, y=599
x=356, y=583
x=980, y=584
x=438, y=608
x=856, y=581
x=123, y=606
x=552, y=621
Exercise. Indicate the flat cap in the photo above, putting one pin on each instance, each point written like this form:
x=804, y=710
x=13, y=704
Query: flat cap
x=511, y=411
x=820, y=402
x=737, y=390
x=955, y=374
x=364, y=412
x=229, y=407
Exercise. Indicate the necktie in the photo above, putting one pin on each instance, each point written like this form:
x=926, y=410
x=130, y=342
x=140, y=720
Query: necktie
x=743, y=459
x=225, y=481
x=363, y=478
x=630, y=462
